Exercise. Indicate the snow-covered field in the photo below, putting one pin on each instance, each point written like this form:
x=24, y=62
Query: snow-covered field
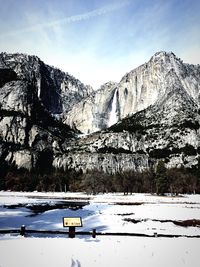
x=101, y=252
x=139, y=213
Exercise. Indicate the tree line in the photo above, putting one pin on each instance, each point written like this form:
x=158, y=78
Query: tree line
x=159, y=180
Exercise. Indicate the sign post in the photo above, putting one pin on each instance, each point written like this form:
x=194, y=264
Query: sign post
x=72, y=223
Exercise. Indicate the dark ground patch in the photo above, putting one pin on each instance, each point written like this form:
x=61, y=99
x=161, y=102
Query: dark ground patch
x=184, y=223
x=128, y=203
x=38, y=208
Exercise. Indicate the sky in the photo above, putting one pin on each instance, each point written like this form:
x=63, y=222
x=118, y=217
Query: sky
x=98, y=41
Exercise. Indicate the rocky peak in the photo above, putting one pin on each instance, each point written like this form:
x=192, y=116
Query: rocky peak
x=108, y=85
x=58, y=91
x=151, y=114
x=161, y=55
x=24, y=65
x=137, y=90
x=31, y=94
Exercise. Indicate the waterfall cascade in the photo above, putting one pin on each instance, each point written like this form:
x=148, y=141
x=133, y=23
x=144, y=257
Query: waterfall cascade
x=113, y=113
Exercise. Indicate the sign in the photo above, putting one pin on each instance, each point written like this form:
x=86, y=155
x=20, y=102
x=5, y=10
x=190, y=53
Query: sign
x=69, y=222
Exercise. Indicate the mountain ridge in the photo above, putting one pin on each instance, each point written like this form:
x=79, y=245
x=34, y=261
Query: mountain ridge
x=138, y=89
x=151, y=114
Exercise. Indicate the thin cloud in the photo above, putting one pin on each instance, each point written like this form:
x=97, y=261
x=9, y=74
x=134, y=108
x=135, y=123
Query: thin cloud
x=76, y=18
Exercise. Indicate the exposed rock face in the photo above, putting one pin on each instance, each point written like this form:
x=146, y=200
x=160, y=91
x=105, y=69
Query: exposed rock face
x=137, y=90
x=161, y=99
x=58, y=91
x=102, y=162
x=153, y=113
x=147, y=84
x=31, y=95
x=93, y=113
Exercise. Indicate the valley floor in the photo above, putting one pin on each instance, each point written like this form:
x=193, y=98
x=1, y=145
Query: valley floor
x=137, y=213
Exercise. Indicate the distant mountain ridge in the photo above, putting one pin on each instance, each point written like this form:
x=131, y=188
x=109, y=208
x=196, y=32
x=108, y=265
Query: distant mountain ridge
x=151, y=114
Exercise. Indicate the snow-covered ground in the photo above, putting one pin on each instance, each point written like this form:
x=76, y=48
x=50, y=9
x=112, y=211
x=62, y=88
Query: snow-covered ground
x=105, y=213
x=100, y=252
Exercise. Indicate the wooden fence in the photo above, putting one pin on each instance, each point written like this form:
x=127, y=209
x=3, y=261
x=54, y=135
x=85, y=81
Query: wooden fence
x=23, y=231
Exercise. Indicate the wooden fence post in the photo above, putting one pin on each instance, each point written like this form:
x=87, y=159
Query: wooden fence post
x=22, y=230
x=72, y=231
x=94, y=233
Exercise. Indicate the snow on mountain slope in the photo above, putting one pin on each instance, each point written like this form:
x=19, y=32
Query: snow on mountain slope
x=58, y=91
x=140, y=88
x=153, y=113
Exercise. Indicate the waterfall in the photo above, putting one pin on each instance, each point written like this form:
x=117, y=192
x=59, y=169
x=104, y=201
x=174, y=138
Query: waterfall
x=113, y=118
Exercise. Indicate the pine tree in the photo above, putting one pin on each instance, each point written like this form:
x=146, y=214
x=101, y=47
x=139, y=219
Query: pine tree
x=161, y=179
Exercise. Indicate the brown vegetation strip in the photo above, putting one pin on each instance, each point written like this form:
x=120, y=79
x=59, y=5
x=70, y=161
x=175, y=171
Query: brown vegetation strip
x=185, y=223
x=129, y=203
x=59, y=198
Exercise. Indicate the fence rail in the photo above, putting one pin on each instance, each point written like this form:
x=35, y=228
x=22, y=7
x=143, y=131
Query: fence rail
x=24, y=231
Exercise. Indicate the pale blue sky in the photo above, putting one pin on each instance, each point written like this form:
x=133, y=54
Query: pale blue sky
x=100, y=40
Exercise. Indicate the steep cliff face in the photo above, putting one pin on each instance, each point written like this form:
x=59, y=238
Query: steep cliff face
x=32, y=94
x=169, y=130
x=145, y=85
x=26, y=127
x=137, y=90
x=153, y=113
x=161, y=99
x=58, y=91
x=94, y=113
